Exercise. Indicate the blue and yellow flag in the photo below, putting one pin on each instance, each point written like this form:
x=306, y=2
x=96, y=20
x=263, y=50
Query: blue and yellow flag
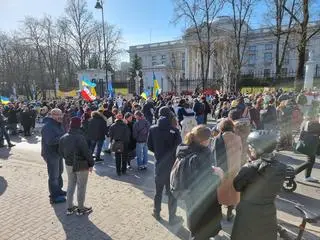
x=4, y=100
x=144, y=95
x=156, y=88
x=93, y=92
x=88, y=83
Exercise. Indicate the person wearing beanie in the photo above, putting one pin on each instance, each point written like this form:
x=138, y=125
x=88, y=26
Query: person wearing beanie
x=129, y=120
x=73, y=147
x=119, y=134
x=163, y=141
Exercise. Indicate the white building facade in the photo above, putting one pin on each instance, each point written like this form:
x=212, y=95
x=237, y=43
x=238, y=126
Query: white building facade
x=177, y=60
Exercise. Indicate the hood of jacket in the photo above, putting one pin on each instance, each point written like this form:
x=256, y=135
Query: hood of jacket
x=164, y=123
x=184, y=150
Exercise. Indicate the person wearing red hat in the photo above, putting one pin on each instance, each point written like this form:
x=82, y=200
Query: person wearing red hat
x=74, y=148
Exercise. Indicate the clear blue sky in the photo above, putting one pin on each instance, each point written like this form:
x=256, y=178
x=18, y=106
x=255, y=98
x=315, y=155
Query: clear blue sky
x=136, y=18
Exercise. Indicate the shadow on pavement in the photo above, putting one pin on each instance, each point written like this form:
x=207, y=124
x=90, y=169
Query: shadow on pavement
x=295, y=229
x=5, y=153
x=284, y=158
x=179, y=231
x=78, y=227
x=3, y=185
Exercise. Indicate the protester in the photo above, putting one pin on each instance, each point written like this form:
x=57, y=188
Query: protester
x=74, y=148
x=148, y=110
x=227, y=152
x=119, y=134
x=26, y=121
x=163, y=141
x=140, y=134
x=202, y=206
x=199, y=110
x=3, y=131
x=259, y=183
x=130, y=121
x=51, y=133
x=97, y=131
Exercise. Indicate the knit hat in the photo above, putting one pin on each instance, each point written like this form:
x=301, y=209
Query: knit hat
x=75, y=122
x=166, y=112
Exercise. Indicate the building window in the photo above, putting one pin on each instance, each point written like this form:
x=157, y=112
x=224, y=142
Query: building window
x=154, y=58
x=163, y=57
x=286, y=60
x=183, y=63
x=268, y=57
x=268, y=46
x=252, y=59
x=154, y=63
x=252, y=48
x=266, y=73
x=163, y=62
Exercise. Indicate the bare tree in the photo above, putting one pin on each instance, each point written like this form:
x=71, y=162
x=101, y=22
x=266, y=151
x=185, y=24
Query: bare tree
x=199, y=16
x=300, y=12
x=226, y=59
x=174, y=69
x=281, y=26
x=241, y=14
x=80, y=26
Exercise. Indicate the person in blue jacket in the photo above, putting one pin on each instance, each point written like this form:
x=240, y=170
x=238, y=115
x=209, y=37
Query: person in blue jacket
x=51, y=133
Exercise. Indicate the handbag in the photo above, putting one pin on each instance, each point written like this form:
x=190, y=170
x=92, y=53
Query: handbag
x=117, y=146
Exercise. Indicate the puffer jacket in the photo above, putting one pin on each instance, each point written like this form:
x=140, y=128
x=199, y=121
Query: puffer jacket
x=74, y=148
x=259, y=183
x=141, y=130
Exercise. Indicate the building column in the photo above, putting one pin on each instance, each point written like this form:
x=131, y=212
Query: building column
x=186, y=63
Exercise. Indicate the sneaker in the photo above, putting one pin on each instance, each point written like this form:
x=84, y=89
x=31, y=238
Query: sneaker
x=129, y=167
x=311, y=179
x=85, y=210
x=60, y=199
x=140, y=168
x=11, y=145
x=175, y=220
x=144, y=167
x=157, y=216
x=72, y=210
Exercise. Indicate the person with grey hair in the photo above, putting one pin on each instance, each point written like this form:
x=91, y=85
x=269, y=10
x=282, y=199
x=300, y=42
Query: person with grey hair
x=51, y=133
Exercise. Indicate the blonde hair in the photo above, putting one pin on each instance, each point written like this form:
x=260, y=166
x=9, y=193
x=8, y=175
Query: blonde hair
x=197, y=135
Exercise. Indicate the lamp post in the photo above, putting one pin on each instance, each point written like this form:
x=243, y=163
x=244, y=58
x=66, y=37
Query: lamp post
x=99, y=5
x=138, y=79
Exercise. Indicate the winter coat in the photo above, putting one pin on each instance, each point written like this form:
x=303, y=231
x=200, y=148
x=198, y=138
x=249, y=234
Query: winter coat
x=199, y=108
x=269, y=117
x=51, y=133
x=26, y=119
x=203, y=209
x=242, y=128
x=227, y=152
x=132, y=142
x=97, y=128
x=119, y=131
x=141, y=131
x=147, y=110
x=74, y=148
x=259, y=183
x=163, y=141
x=12, y=115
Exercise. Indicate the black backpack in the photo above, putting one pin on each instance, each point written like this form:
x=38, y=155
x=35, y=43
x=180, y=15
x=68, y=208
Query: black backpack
x=180, y=176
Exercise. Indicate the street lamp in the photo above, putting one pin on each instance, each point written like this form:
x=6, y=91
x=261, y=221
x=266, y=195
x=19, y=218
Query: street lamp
x=99, y=5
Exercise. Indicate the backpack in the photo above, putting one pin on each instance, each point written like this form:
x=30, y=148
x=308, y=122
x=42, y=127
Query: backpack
x=180, y=176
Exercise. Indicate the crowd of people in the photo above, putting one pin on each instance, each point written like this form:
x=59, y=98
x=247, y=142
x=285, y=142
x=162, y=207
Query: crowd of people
x=229, y=163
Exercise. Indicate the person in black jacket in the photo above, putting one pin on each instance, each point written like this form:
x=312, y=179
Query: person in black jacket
x=11, y=114
x=3, y=131
x=26, y=121
x=202, y=206
x=163, y=141
x=97, y=131
x=120, y=132
x=74, y=149
x=259, y=182
x=129, y=119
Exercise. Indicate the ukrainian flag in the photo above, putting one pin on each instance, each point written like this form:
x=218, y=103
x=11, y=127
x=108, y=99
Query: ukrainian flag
x=93, y=92
x=144, y=95
x=156, y=88
x=4, y=100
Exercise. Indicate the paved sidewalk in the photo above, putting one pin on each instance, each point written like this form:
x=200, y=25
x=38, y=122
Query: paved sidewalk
x=122, y=205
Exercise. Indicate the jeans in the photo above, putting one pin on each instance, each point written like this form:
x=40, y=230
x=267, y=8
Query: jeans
x=121, y=162
x=3, y=132
x=200, y=119
x=99, y=144
x=172, y=202
x=308, y=165
x=142, y=154
x=79, y=180
x=55, y=182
